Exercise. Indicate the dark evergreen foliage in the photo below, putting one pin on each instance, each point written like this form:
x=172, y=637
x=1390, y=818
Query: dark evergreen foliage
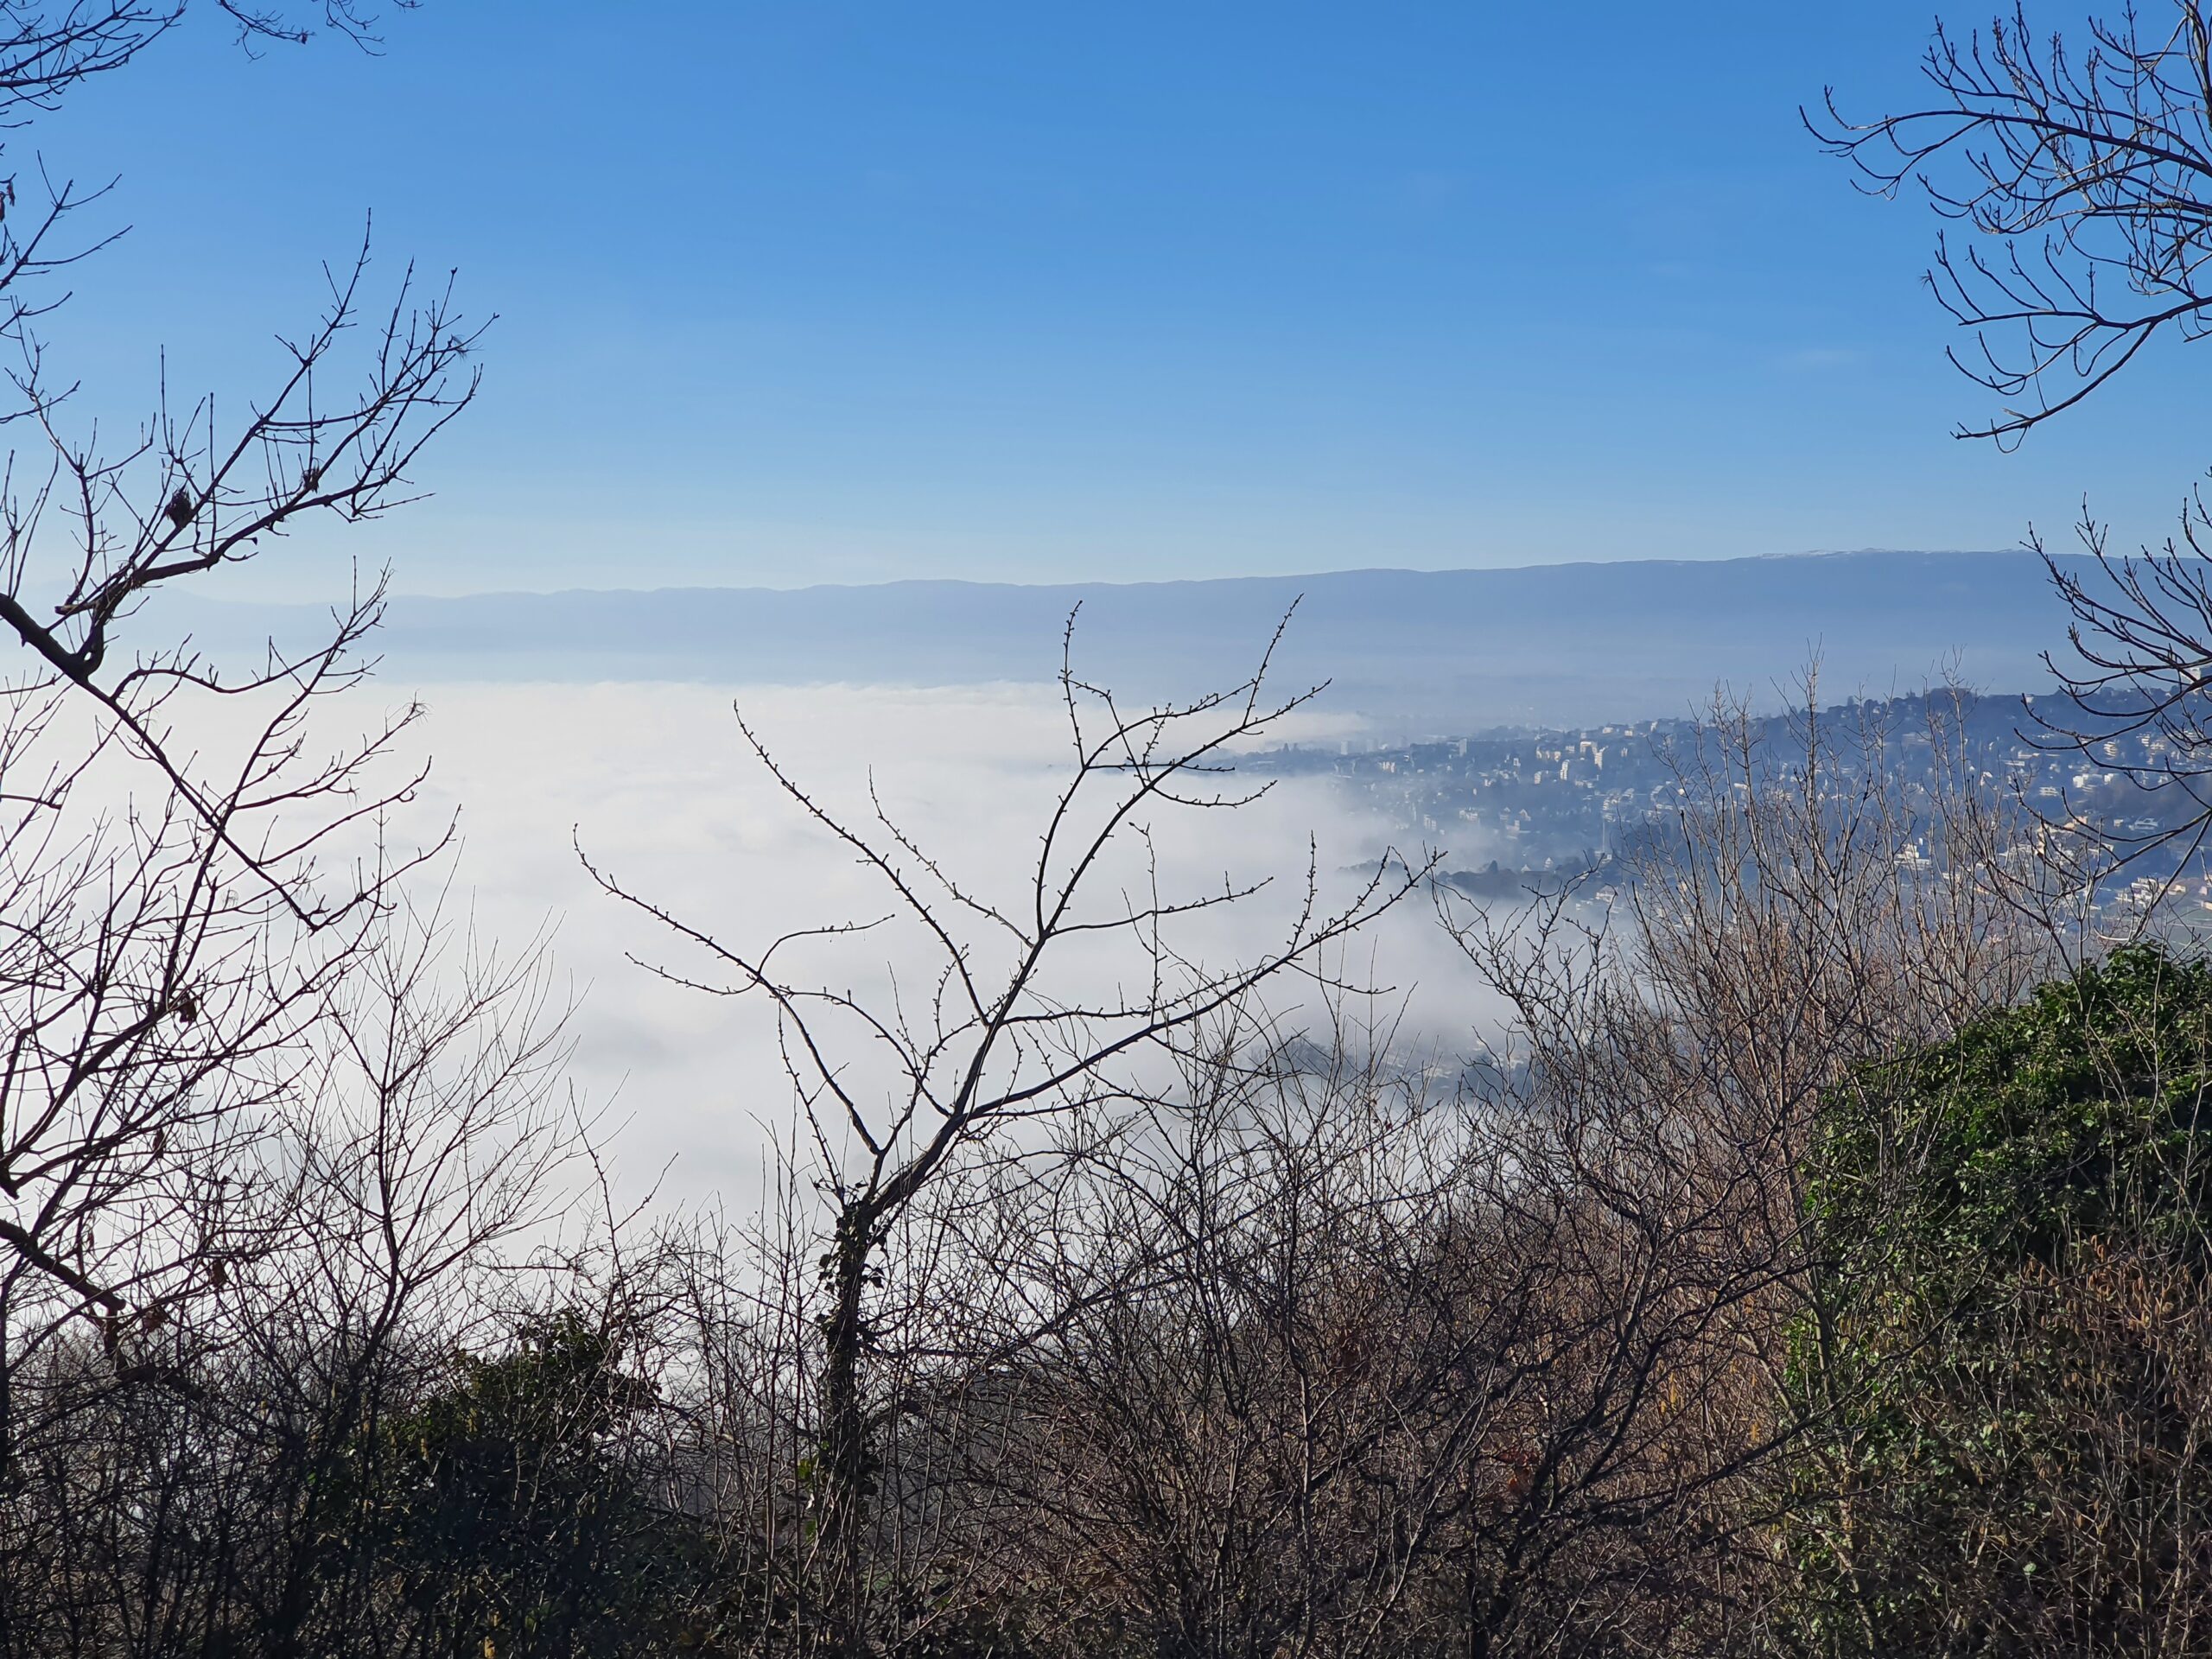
x=2006, y=1365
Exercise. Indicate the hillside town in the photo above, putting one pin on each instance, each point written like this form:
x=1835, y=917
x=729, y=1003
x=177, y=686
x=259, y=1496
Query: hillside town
x=1509, y=808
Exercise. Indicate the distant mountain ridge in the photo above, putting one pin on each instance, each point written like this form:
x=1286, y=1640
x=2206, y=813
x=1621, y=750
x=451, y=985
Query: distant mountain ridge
x=1454, y=649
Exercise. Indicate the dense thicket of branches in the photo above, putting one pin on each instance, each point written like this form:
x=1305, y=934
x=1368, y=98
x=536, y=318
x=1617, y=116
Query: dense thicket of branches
x=1287, y=1345
x=268, y=1123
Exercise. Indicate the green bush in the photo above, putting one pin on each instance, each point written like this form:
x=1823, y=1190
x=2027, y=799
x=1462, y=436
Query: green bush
x=2004, y=1365
x=508, y=1524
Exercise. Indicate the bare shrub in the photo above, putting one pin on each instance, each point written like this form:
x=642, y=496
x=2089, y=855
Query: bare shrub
x=1050, y=1003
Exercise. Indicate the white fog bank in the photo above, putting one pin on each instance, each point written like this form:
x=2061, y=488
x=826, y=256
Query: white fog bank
x=656, y=782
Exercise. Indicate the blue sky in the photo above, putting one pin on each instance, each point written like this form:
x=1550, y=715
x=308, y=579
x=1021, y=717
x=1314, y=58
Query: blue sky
x=835, y=292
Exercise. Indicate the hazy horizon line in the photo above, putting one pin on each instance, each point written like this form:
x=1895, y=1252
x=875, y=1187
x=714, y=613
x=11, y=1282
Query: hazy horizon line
x=1157, y=582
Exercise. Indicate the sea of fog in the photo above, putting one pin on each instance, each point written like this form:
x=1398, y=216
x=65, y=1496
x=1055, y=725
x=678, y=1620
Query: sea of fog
x=655, y=783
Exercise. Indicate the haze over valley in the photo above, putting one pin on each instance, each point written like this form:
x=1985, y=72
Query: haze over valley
x=605, y=718
x=1449, y=650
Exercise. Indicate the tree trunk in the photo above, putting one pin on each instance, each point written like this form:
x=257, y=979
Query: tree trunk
x=846, y=1469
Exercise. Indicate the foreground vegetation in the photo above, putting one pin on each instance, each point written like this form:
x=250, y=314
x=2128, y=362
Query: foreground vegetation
x=1821, y=1270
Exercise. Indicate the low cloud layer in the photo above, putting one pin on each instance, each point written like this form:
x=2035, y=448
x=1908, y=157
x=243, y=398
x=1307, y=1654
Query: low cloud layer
x=657, y=784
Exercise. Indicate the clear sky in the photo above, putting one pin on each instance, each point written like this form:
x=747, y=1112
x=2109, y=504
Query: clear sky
x=821, y=291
